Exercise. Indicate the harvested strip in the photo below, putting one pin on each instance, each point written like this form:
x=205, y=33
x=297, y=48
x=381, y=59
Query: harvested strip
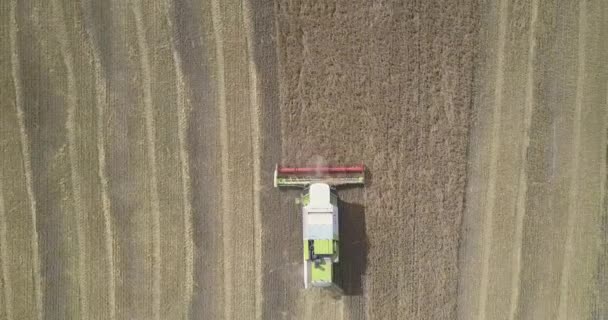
x=182, y=124
x=256, y=113
x=522, y=188
x=25, y=153
x=225, y=183
x=151, y=151
x=495, y=144
x=101, y=105
x=79, y=212
x=6, y=279
x=574, y=185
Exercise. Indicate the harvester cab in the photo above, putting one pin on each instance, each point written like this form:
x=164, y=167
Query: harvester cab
x=320, y=217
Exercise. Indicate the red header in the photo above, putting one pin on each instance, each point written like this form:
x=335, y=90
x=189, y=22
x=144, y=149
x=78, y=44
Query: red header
x=348, y=169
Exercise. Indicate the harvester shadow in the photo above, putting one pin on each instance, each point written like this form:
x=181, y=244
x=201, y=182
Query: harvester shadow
x=369, y=178
x=353, y=248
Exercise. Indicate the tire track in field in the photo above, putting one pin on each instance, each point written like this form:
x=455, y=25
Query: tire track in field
x=574, y=185
x=6, y=279
x=256, y=155
x=523, y=185
x=225, y=185
x=25, y=154
x=182, y=127
x=80, y=214
x=101, y=95
x=151, y=151
x=105, y=198
x=602, y=298
x=491, y=193
x=600, y=305
x=263, y=52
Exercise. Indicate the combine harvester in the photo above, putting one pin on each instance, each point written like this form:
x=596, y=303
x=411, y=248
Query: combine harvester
x=320, y=217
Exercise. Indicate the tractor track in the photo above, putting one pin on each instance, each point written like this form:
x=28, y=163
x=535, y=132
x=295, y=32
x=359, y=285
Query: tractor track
x=573, y=196
x=26, y=156
x=256, y=153
x=75, y=174
x=7, y=286
x=183, y=110
x=101, y=106
x=522, y=187
x=494, y=146
x=225, y=187
x=151, y=153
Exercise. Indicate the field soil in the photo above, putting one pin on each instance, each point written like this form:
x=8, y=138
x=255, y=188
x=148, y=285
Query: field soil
x=534, y=230
x=387, y=85
x=138, y=142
